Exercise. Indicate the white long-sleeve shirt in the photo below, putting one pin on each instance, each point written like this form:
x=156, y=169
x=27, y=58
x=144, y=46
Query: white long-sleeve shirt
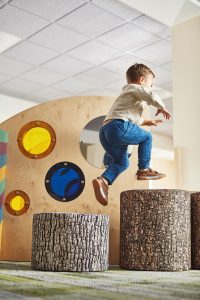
x=130, y=104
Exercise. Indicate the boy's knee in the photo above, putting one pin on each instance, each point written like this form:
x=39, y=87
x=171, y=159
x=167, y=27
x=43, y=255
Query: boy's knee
x=149, y=136
x=125, y=164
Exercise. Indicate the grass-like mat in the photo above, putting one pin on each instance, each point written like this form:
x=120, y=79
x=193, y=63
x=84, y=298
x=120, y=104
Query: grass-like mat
x=19, y=281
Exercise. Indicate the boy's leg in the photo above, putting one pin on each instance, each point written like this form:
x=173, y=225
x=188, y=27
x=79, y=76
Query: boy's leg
x=132, y=135
x=115, y=138
x=144, y=149
x=107, y=159
x=116, y=166
x=137, y=135
x=118, y=162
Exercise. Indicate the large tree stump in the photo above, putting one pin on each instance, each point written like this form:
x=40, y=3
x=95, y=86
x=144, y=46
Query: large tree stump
x=195, y=229
x=155, y=230
x=70, y=242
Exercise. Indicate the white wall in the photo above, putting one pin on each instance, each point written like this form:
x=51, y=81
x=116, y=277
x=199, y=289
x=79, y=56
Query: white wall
x=186, y=66
x=163, y=161
x=162, y=147
x=10, y=106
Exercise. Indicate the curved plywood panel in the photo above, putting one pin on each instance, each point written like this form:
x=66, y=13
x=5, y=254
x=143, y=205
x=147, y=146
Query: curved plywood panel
x=67, y=117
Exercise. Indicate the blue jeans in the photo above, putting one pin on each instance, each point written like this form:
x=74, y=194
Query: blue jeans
x=115, y=138
x=107, y=159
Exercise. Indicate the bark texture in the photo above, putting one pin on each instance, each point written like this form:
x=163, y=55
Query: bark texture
x=155, y=232
x=70, y=242
x=195, y=235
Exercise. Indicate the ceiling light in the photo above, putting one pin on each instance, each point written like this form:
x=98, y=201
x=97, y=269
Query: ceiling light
x=7, y=40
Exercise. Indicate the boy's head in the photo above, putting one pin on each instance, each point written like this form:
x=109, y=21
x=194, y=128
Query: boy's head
x=140, y=74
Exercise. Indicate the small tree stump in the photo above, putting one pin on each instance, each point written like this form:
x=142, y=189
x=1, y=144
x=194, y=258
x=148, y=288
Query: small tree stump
x=70, y=242
x=155, y=230
x=195, y=229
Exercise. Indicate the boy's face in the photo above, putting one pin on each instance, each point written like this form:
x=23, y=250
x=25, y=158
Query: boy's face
x=147, y=80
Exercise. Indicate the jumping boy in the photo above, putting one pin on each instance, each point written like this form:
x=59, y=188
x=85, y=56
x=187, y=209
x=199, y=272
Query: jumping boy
x=121, y=128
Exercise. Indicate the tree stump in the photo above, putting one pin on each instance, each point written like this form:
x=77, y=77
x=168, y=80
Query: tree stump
x=195, y=229
x=155, y=230
x=70, y=242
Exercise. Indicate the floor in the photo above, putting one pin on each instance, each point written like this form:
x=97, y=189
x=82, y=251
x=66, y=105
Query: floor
x=19, y=281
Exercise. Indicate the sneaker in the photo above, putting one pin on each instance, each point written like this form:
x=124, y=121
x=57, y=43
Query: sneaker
x=149, y=174
x=101, y=190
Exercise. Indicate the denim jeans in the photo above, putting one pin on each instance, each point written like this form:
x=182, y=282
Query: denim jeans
x=107, y=159
x=115, y=137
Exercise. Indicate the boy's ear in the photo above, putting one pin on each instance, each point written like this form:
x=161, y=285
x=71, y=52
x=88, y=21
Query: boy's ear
x=141, y=79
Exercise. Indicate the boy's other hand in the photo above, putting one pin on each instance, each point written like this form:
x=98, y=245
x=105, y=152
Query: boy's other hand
x=165, y=113
x=151, y=122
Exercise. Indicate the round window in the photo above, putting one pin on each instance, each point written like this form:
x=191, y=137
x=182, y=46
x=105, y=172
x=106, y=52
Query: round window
x=64, y=181
x=36, y=139
x=90, y=145
x=17, y=203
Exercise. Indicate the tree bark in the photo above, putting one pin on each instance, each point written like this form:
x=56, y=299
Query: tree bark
x=155, y=230
x=195, y=229
x=70, y=242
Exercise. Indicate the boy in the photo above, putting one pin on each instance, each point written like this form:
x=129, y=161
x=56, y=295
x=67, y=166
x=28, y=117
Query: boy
x=121, y=128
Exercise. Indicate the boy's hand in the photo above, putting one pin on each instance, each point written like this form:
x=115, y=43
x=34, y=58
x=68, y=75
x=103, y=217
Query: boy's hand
x=165, y=113
x=151, y=122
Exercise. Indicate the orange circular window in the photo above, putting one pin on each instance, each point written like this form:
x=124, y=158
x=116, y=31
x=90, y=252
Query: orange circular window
x=17, y=202
x=36, y=139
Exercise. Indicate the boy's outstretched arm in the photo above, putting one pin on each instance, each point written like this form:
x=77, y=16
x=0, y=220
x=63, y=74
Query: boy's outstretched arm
x=163, y=111
x=148, y=95
x=151, y=122
x=153, y=99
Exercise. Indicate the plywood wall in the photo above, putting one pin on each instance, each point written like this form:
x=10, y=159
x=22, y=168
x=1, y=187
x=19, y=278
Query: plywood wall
x=68, y=117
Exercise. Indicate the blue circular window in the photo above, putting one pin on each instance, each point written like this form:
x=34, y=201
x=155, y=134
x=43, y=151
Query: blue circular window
x=64, y=181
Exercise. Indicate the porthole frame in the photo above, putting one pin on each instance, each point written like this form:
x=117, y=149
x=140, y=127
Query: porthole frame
x=9, y=198
x=50, y=174
x=28, y=127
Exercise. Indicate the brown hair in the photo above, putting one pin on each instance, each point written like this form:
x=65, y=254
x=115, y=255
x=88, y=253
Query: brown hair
x=136, y=71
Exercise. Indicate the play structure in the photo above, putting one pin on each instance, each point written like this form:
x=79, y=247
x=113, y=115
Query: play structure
x=49, y=170
x=52, y=160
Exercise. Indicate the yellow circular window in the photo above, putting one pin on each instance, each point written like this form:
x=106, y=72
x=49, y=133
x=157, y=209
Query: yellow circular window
x=36, y=139
x=17, y=202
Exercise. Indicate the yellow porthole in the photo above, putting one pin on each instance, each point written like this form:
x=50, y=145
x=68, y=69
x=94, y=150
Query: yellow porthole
x=36, y=139
x=17, y=202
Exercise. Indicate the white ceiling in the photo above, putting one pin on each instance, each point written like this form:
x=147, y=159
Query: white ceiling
x=170, y=12
x=79, y=47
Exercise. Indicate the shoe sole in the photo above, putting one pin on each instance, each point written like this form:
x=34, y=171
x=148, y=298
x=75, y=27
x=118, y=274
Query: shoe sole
x=150, y=177
x=97, y=187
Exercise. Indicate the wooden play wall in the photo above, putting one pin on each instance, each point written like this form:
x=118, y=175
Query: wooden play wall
x=67, y=117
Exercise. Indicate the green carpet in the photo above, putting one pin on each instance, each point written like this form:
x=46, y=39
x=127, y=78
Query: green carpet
x=19, y=281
